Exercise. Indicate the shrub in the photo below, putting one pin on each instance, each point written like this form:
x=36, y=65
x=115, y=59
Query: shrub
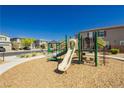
x=20, y=48
x=29, y=55
x=114, y=50
x=22, y=56
x=26, y=56
x=34, y=54
x=44, y=53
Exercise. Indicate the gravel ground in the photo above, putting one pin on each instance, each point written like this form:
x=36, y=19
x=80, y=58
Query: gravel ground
x=40, y=73
x=1, y=62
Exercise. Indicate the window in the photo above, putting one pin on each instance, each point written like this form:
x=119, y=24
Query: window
x=122, y=43
x=102, y=33
x=2, y=39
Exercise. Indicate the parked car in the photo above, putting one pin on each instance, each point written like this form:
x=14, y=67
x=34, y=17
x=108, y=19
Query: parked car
x=27, y=48
x=20, y=48
x=2, y=49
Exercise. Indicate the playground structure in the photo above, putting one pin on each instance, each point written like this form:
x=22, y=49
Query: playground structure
x=66, y=47
x=64, y=65
x=87, y=42
x=44, y=45
x=91, y=42
x=60, y=48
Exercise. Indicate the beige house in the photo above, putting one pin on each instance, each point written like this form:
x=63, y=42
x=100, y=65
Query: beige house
x=5, y=42
x=114, y=36
x=41, y=44
x=16, y=43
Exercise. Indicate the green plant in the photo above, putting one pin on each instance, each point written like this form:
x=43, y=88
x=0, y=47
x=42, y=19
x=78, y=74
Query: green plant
x=26, y=42
x=34, y=54
x=21, y=56
x=101, y=42
x=44, y=53
x=29, y=55
x=26, y=56
x=37, y=47
x=114, y=50
x=43, y=46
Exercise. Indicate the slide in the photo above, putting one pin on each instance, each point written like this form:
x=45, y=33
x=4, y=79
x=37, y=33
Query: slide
x=64, y=65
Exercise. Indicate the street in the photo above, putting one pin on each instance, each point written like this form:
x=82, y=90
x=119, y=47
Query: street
x=12, y=53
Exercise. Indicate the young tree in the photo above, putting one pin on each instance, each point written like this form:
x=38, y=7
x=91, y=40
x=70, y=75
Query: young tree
x=26, y=42
x=101, y=42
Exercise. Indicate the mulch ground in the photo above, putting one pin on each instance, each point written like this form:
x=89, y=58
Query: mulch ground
x=1, y=61
x=40, y=73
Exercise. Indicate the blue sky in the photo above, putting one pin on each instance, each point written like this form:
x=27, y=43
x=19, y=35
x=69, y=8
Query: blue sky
x=53, y=22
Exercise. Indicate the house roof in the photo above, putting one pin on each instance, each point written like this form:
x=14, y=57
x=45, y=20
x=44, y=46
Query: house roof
x=39, y=40
x=53, y=42
x=103, y=28
x=4, y=35
x=16, y=38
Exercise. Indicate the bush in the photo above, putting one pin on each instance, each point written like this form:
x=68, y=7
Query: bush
x=34, y=54
x=20, y=48
x=114, y=50
x=22, y=56
x=26, y=56
x=29, y=55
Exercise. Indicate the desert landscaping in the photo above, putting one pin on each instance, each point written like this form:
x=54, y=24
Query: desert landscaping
x=43, y=74
x=1, y=61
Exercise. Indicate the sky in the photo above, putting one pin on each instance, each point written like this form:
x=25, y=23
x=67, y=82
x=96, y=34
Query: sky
x=54, y=22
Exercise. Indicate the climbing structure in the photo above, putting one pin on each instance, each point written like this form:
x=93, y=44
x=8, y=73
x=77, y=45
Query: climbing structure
x=59, y=49
x=92, y=43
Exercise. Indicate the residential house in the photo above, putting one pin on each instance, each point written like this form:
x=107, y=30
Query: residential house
x=5, y=42
x=41, y=44
x=17, y=44
x=53, y=43
x=114, y=36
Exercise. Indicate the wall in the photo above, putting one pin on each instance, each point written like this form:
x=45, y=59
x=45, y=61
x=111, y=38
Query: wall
x=114, y=37
x=5, y=42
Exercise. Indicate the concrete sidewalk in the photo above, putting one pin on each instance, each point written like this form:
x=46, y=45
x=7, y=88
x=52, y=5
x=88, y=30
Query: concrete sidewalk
x=114, y=57
x=109, y=56
x=14, y=61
